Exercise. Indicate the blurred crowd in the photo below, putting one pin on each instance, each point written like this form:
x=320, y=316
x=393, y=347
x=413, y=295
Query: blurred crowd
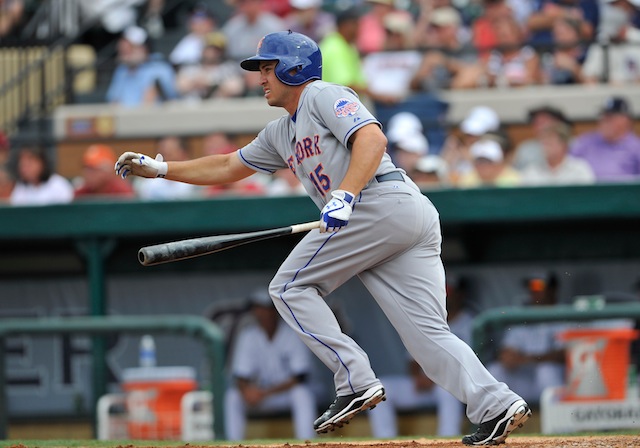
x=387, y=51
x=477, y=153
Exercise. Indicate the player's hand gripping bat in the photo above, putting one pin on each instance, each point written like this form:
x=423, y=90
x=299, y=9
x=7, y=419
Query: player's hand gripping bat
x=195, y=247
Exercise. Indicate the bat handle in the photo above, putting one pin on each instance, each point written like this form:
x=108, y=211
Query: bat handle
x=297, y=228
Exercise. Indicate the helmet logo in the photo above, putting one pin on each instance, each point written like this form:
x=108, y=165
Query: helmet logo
x=259, y=45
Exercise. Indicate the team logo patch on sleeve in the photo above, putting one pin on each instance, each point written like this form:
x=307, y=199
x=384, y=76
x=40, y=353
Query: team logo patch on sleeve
x=345, y=107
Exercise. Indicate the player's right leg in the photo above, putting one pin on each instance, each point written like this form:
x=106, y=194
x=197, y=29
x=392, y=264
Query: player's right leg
x=416, y=308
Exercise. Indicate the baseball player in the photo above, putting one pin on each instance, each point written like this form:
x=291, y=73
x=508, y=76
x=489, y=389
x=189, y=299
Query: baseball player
x=374, y=223
x=270, y=369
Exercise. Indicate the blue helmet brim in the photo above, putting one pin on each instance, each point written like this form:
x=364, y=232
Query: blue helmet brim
x=252, y=64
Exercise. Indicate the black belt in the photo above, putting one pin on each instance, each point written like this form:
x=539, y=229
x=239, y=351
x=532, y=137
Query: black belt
x=393, y=175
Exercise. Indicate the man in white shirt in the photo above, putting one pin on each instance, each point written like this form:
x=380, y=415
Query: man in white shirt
x=270, y=367
x=558, y=167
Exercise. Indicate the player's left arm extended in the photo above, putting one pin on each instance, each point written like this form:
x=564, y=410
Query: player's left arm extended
x=208, y=170
x=368, y=145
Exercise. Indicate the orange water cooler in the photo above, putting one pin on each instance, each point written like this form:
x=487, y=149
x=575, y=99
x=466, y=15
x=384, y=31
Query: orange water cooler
x=597, y=363
x=153, y=396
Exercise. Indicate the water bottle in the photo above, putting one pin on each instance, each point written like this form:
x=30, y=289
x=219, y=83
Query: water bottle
x=147, y=351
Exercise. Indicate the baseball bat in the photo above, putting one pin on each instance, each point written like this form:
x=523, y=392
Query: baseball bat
x=195, y=247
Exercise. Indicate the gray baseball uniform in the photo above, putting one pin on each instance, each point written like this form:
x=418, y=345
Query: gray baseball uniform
x=392, y=243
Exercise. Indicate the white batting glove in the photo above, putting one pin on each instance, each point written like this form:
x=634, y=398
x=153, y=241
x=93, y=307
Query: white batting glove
x=335, y=215
x=140, y=165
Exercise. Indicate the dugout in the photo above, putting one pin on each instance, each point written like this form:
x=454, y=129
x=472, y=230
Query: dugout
x=80, y=259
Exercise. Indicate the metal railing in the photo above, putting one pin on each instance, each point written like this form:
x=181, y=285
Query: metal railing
x=32, y=83
x=494, y=320
x=194, y=326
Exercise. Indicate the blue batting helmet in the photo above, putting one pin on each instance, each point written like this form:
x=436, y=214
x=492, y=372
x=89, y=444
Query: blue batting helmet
x=298, y=56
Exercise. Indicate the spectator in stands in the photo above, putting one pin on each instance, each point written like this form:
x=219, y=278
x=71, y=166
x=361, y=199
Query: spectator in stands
x=512, y=64
x=140, y=78
x=443, y=14
x=284, y=183
x=483, y=28
x=254, y=185
x=6, y=178
x=490, y=168
x=250, y=22
x=562, y=64
x=541, y=21
x=630, y=33
x=414, y=390
x=215, y=76
x=281, y=8
x=151, y=20
x=371, y=32
x=217, y=143
x=560, y=167
x=615, y=57
x=529, y=152
x=407, y=142
x=189, y=49
x=613, y=149
x=5, y=148
x=388, y=73
x=531, y=358
x=96, y=181
x=429, y=172
x=270, y=367
x=12, y=15
x=170, y=148
x=522, y=10
x=423, y=36
x=449, y=61
x=308, y=18
x=114, y=18
x=6, y=184
x=340, y=58
x=36, y=181
x=455, y=151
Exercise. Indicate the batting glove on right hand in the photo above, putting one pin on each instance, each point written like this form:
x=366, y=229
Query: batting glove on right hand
x=140, y=165
x=335, y=215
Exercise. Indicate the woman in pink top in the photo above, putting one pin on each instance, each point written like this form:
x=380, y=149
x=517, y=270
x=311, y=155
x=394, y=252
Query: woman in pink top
x=372, y=33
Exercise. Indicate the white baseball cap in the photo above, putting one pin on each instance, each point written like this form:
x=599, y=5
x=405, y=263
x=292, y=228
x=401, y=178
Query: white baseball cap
x=487, y=149
x=305, y=4
x=480, y=120
x=414, y=142
x=406, y=132
x=404, y=122
x=398, y=22
x=135, y=35
x=432, y=164
x=445, y=16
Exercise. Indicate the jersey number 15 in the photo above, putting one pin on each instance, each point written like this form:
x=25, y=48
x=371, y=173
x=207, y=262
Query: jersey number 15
x=321, y=181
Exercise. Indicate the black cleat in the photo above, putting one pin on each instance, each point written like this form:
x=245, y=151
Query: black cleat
x=345, y=408
x=496, y=431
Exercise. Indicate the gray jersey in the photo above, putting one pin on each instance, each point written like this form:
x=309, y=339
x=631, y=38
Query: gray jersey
x=314, y=143
x=392, y=243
